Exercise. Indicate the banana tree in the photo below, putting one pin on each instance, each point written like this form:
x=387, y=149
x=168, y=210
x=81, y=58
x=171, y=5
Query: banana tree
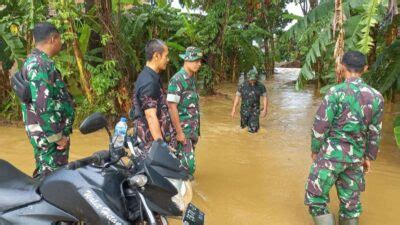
x=315, y=30
x=396, y=126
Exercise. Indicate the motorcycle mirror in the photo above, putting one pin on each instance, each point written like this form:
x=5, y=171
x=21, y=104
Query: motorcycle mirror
x=93, y=123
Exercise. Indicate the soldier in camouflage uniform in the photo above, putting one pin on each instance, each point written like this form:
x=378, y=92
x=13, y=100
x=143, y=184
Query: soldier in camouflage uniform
x=183, y=103
x=250, y=91
x=345, y=137
x=49, y=116
x=152, y=120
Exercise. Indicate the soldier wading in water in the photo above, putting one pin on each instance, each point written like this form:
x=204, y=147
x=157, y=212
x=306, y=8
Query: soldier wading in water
x=345, y=137
x=183, y=103
x=250, y=91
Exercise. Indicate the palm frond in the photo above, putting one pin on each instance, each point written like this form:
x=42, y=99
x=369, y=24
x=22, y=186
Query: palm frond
x=370, y=19
x=13, y=44
x=385, y=72
x=316, y=50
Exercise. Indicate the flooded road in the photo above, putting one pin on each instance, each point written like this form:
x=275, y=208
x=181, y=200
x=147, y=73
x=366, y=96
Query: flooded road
x=244, y=178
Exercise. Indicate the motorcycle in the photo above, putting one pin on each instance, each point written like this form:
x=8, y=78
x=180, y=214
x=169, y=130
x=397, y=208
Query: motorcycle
x=101, y=189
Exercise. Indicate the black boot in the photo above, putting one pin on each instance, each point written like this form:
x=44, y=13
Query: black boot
x=327, y=219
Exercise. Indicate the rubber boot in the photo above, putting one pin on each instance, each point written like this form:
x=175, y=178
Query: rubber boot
x=349, y=221
x=327, y=219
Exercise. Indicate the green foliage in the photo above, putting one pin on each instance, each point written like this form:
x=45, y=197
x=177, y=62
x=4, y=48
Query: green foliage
x=104, y=77
x=84, y=38
x=206, y=77
x=10, y=108
x=13, y=49
x=396, y=126
x=385, y=72
x=370, y=18
x=314, y=31
x=316, y=51
x=307, y=25
x=103, y=105
x=232, y=38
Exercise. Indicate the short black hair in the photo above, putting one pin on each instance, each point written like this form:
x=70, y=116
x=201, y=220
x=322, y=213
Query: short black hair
x=354, y=61
x=153, y=46
x=42, y=31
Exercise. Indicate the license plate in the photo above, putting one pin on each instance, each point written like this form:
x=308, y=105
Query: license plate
x=193, y=216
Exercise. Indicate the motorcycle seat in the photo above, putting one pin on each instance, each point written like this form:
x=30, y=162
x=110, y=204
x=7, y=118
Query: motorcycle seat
x=16, y=188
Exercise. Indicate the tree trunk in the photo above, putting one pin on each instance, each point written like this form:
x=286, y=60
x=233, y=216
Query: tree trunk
x=212, y=59
x=318, y=71
x=113, y=52
x=5, y=83
x=250, y=11
x=95, y=39
x=373, y=52
x=266, y=49
x=169, y=72
x=392, y=32
x=313, y=4
x=308, y=5
x=83, y=73
x=272, y=56
x=222, y=65
x=269, y=63
x=234, y=67
x=391, y=35
x=221, y=42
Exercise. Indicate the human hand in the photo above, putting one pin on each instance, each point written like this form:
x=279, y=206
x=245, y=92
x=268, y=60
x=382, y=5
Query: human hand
x=314, y=156
x=367, y=165
x=233, y=113
x=181, y=137
x=171, y=149
x=264, y=113
x=63, y=143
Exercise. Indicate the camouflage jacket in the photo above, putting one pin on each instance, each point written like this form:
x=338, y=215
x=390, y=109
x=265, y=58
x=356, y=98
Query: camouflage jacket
x=150, y=94
x=251, y=94
x=348, y=123
x=51, y=112
x=182, y=90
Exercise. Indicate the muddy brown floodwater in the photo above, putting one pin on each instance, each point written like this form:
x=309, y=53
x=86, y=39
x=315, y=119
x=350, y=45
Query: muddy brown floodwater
x=258, y=178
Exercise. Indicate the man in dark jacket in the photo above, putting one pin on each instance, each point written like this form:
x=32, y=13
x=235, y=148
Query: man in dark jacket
x=152, y=120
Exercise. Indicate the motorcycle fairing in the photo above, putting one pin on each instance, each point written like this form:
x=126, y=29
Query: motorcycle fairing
x=90, y=194
x=164, y=162
x=39, y=213
x=16, y=188
x=158, y=193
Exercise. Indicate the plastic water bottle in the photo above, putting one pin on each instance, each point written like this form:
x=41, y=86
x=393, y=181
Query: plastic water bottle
x=119, y=133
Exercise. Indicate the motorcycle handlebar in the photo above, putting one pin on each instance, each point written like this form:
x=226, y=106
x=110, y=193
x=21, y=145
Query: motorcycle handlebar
x=96, y=157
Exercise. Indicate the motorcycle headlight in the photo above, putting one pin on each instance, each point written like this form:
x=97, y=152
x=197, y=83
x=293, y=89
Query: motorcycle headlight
x=138, y=180
x=185, y=194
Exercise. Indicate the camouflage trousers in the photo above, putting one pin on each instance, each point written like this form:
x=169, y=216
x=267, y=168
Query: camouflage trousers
x=145, y=138
x=349, y=181
x=250, y=118
x=186, y=153
x=47, y=157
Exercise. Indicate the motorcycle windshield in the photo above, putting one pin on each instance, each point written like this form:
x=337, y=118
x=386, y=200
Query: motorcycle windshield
x=162, y=160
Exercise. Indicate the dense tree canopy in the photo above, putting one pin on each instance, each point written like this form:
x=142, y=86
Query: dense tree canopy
x=105, y=42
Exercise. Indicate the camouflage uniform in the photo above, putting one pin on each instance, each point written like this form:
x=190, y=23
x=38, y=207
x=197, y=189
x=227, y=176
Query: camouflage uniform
x=50, y=115
x=150, y=94
x=346, y=130
x=182, y=90
x=250, y=107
